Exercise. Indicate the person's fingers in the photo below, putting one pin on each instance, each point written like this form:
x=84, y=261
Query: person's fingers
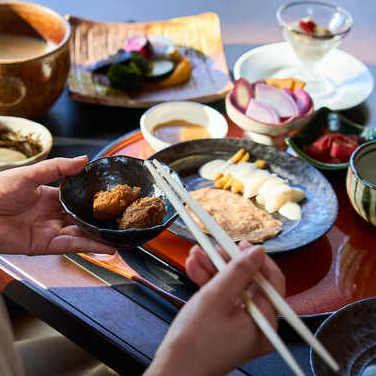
x=54, y=169
x=203, y=259
x=196, y=272
x=199, y=267
x=243, y=244
x=71, y=230
x=237, y=275
x=73, y=244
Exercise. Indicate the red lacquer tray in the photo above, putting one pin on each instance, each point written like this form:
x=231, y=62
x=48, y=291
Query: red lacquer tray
x=333, y=271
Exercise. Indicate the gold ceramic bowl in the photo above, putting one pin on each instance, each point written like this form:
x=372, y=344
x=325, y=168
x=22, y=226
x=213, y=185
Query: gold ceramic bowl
x=30, y=86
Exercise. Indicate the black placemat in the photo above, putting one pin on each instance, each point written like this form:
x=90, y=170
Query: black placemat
x=153, y=269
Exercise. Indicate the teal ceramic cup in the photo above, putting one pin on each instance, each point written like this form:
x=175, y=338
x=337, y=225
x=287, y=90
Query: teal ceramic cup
x=361, y=181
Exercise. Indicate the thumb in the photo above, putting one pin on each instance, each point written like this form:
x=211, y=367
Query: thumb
x=54, y=169
x=238, y=274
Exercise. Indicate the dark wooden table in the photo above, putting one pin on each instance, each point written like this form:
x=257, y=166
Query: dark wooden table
x=115, y=328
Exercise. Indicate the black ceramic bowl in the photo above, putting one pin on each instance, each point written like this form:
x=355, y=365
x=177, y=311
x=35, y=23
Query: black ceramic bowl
x=350, y=336
x=77, y=193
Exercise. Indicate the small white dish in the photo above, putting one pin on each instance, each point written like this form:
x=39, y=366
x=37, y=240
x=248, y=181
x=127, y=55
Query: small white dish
x=193, y=112
x=25, y=127
x=352, y=78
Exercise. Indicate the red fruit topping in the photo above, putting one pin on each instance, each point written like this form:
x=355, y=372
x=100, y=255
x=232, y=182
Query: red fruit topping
x=342, y=150
x=307, y=25
x=332, y=148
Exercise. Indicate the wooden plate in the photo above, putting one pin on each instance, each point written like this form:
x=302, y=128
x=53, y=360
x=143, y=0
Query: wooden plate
x=201, y=34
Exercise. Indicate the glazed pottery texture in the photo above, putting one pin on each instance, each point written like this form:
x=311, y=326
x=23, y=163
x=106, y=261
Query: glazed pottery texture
x=77, y=194
x=319, y=208
x=350, y=336
x=29, y=87
x=362, y=193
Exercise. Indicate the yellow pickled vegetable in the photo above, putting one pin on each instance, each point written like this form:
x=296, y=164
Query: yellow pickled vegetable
x=245, y=158
x=238, y=156
x=221, y=182
x=228, y=182
x=260, y=163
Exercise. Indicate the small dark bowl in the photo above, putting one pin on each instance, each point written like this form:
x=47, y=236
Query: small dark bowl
x=77, y=192
x=350, y=336
x=323, y=121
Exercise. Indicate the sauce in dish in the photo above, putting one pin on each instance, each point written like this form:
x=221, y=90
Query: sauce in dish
x=20, y=47
x=178, y=130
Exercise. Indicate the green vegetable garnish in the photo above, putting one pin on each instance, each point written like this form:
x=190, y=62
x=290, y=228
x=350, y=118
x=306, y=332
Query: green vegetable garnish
x=129, y=75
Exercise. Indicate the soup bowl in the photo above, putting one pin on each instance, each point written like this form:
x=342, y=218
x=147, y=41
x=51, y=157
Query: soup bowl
x=360, y=181
x=30, y=85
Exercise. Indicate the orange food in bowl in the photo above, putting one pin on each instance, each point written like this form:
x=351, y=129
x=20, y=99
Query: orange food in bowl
x=286, y=83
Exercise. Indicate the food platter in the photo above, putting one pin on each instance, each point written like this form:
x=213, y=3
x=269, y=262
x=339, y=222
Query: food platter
x=319, y=209
x=92, y=41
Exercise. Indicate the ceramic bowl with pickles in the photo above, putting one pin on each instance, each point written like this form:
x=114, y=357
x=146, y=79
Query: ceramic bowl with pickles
x=330, y=140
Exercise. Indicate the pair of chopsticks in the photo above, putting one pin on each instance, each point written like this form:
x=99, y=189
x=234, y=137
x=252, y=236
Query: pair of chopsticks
x=179, y=197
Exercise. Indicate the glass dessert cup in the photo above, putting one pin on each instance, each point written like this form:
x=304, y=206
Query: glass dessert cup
x=313, y=29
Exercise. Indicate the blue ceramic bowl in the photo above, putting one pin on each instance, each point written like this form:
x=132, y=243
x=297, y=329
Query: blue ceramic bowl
x=77, y=193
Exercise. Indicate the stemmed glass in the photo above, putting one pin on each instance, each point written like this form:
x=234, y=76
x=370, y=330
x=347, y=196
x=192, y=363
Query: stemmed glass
x=325, y=27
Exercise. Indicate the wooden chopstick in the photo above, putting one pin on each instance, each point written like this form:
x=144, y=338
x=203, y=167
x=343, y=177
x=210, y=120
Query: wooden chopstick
x=232, y=249
x=218, y=261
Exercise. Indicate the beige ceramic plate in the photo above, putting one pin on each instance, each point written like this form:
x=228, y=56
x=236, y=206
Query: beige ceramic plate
x=93, y=40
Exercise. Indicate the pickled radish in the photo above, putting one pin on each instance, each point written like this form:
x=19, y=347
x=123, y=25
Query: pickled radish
x=303, y=101
x=277, y=99
x=242, y=94
x=262, y=112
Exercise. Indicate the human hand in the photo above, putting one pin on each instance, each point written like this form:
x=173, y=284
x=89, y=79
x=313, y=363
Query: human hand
x=31, y=218
x=213, y=334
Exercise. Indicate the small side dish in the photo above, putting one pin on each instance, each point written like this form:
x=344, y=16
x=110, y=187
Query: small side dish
x=115, y=200
x=178, y=121
x=124, y=205
x=144, y=64
x=271, y=101
x=361, y=181
x=328, y=144
x=271, y=107
x=22, y=142
x=179, y=130
x=15, y=146
x=333, y=147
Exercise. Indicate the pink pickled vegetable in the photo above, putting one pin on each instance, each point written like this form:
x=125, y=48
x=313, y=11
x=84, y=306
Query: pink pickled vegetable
x=262, y=112
x=281, y=101
x=140, y=44
x=303, y=101
x=241, y=94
